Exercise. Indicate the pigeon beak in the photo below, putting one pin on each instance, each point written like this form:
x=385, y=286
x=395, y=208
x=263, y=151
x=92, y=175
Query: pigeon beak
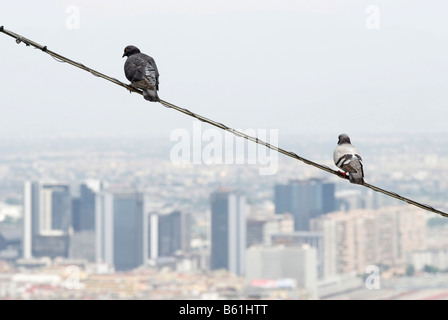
x=124, y=54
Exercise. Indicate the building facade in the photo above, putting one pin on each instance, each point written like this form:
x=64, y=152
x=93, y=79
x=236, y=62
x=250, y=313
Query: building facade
x=228, y=231
x=305, y=200
x=120, y=229
x=46, y=219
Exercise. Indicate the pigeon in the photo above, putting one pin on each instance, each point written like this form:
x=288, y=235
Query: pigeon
x=141, y=70
x=347, y=157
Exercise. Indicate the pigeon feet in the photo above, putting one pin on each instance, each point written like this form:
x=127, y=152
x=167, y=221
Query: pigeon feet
x=343, y=173
x=131, y=88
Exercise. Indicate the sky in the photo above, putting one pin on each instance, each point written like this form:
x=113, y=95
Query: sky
x=317, y=67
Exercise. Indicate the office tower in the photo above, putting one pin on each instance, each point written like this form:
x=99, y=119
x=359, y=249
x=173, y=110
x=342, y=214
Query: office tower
x=174, y=230
x=228, y=231
x=283, y=262
x=88, y=191
x=76, y=214
x=83, y=207
x=104, y=228
x=152, y=236
x=120, y=222
x=128, y=230
x=55, y=207
x=305, y=200
x=82, y=241
x=30, y=217
x=46, y=219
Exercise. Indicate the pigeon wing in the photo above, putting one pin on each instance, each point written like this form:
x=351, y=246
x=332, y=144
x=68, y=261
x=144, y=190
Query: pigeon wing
x=151, y=69
x=141, y=72
x=347, y=157
x=340, y=155
x=357, y=176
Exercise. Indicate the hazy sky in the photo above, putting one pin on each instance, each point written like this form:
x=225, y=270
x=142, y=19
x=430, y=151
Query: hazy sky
x=317, y=66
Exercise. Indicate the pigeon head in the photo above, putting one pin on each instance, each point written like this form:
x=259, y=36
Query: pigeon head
x=130, y=50
x=343, y=138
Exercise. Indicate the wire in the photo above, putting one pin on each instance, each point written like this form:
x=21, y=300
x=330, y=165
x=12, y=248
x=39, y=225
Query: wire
x=28, y=42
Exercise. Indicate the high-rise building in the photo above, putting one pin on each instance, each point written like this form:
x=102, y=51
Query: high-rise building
x=83, y=207
x=82, y=240
x=104, y=228
x=55, y=207
x=76, y=214
x=305, y=200
x=174, y=230
x=120, y=228
x=128, y=230
x=30, y=217
x=46, y=218
x=228, y=231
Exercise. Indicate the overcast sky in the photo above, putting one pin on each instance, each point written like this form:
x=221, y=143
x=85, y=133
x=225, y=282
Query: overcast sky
x=307, y=67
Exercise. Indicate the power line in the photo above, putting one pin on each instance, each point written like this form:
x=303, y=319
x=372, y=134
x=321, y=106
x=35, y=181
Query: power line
x=60, y=58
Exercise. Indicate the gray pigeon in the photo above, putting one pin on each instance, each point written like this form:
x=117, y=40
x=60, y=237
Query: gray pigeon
x=347, y=157
x=141, y=70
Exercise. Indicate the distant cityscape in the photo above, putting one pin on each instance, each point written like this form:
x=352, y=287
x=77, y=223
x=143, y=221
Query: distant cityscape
x=103, y=218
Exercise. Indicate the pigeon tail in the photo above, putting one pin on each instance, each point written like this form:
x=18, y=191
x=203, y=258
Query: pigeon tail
x=150, y=95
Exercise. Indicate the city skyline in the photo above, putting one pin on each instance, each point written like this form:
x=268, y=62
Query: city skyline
x=173, y=193
x=405, y=238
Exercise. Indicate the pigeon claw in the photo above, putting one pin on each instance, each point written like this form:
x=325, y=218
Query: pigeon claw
x=344, y=174
x=131, y=88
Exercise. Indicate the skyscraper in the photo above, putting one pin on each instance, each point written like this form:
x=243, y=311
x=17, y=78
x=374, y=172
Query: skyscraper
x=47, y=212
x=120, y=224
x=305, y=200
x=84, y=205
x=55, y=207
x=30, y=217
x=228, y=231
x=173, y=233
x=82, y=240
x=128, y=230
x=104, y=228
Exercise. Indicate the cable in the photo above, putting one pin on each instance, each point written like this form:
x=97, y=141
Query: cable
x=28, y=42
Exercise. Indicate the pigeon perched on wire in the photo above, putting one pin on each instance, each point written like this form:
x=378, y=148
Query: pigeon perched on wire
x=141, y=70
x=347, y=157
